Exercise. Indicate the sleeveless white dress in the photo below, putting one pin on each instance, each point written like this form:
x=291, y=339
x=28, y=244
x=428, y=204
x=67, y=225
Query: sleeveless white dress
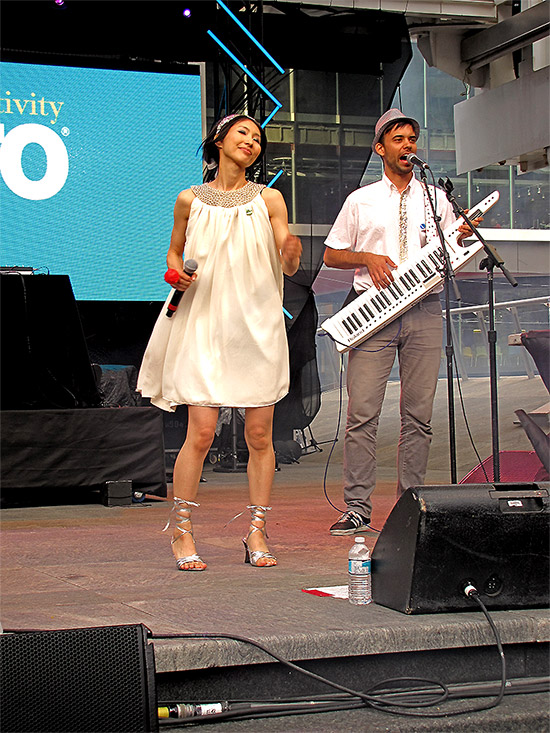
x=226, y=344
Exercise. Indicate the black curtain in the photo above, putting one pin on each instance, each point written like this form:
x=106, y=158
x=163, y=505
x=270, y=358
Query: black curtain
x=302, y=403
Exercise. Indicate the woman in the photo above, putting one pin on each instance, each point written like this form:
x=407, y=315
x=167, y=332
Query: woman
x=226, y=343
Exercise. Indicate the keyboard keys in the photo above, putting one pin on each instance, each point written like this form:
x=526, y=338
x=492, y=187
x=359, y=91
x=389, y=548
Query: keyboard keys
x=363, y=312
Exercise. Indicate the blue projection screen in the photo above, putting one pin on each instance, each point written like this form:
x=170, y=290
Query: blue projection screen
x=91, y=162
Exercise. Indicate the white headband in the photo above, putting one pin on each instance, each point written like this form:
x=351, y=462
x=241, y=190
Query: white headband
x=221, y=123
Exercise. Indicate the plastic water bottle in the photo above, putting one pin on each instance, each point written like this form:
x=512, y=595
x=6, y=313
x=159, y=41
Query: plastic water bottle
x=359, y=578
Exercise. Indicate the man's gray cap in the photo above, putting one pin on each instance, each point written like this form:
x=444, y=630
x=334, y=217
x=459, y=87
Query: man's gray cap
x=389, y=118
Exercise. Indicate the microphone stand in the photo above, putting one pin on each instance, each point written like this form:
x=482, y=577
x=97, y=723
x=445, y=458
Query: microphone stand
x=489, y=263
x=449, y=277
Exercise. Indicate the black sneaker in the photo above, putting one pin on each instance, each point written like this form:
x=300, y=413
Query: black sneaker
x=350, y=523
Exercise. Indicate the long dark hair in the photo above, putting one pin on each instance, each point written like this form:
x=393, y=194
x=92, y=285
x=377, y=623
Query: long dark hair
x=218, y=131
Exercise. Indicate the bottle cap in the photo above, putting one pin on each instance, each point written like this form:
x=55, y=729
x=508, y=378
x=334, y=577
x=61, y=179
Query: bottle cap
x=359, y=539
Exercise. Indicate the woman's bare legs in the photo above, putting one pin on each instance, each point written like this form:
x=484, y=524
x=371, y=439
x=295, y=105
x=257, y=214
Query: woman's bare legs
x=258, y=433
x=187, y=473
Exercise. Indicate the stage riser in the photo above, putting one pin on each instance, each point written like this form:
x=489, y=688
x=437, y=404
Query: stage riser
x=276, y=680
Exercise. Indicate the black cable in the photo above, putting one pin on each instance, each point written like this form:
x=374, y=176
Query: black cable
x=498, y=699
x=339, y=418
x=465, y=416
x=338, y=423
x=335, y=440
x=456, y=690
x=382, y=698
x=260, y=711
x=250, y=709
x=471, y=592
x=271, y=653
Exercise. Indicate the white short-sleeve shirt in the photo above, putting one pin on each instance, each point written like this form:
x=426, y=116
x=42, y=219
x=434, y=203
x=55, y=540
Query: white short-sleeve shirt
x=369, y=222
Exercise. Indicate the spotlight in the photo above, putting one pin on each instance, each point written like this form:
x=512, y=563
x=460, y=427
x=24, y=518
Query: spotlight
x=59, y=3
x=186, y=13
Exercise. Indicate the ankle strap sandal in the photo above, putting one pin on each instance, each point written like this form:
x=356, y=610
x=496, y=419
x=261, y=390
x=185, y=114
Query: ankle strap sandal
x=257, y=514
x=182, y=505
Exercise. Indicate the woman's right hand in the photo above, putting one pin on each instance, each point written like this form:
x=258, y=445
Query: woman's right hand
x=184, y=281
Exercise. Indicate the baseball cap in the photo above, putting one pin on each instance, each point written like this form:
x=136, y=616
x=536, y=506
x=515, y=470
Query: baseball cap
x=389, y=118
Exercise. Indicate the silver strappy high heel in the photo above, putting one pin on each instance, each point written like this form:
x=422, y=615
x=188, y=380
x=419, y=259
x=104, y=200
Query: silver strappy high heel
x=181, y=505
x=257, y=514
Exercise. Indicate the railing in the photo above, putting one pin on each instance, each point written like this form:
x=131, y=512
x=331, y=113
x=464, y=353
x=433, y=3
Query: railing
x=472, y=353
x=469, y=329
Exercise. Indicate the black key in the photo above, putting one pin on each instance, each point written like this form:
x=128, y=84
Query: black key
x=385, y=297
x=375, y=304
x=415, y=276
x=392, y=291
x=363, y=312
x=409, y=279
x=371, y=314
x=396, y=286
x=405, y=283
x=344, y=323
x=427, y=266
x=351, y=323
x=422, y=270
x=354, y=316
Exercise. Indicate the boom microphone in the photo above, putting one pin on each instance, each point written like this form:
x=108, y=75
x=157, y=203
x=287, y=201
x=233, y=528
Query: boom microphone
x=415, y=160
x=171, y=276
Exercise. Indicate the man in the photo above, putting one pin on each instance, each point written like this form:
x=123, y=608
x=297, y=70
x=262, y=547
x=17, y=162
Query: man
x=379, y=226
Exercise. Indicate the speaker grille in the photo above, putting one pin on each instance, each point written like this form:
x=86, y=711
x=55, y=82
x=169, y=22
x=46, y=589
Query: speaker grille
x=98, y=679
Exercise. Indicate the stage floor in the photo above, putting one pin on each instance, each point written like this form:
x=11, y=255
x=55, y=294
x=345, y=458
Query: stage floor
x=70, y=562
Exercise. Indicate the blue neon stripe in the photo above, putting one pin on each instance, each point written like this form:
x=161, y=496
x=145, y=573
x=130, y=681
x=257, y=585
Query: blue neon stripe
x=251, y=75
x=287, y=313
x=249, y=34
x=272, y=181
x=273, y=113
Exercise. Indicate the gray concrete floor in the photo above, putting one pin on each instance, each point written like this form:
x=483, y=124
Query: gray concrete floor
x=69, y=562
x=79, y=563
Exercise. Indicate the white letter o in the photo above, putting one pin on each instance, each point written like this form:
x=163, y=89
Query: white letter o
x=57, y=162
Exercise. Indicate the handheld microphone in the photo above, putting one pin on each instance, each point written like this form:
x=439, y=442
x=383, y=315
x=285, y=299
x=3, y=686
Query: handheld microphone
x=415, y=160
x=171, y=276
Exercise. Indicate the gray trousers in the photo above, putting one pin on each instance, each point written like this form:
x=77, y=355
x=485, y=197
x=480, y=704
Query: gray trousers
x=417, y=341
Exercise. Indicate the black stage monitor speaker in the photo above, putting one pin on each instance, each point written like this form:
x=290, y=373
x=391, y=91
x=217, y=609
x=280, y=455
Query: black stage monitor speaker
x=96, y=679
x=436, y=538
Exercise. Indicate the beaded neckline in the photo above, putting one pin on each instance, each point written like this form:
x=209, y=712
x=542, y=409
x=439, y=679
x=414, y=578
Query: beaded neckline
x=227, y=199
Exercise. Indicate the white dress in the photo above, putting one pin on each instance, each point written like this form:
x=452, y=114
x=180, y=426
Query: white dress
x=226, y=343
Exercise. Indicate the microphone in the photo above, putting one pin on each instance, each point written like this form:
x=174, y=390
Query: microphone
x=415, y=160
x=171, y=276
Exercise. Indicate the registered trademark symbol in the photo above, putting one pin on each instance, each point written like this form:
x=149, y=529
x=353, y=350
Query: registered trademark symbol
x=65, y=131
